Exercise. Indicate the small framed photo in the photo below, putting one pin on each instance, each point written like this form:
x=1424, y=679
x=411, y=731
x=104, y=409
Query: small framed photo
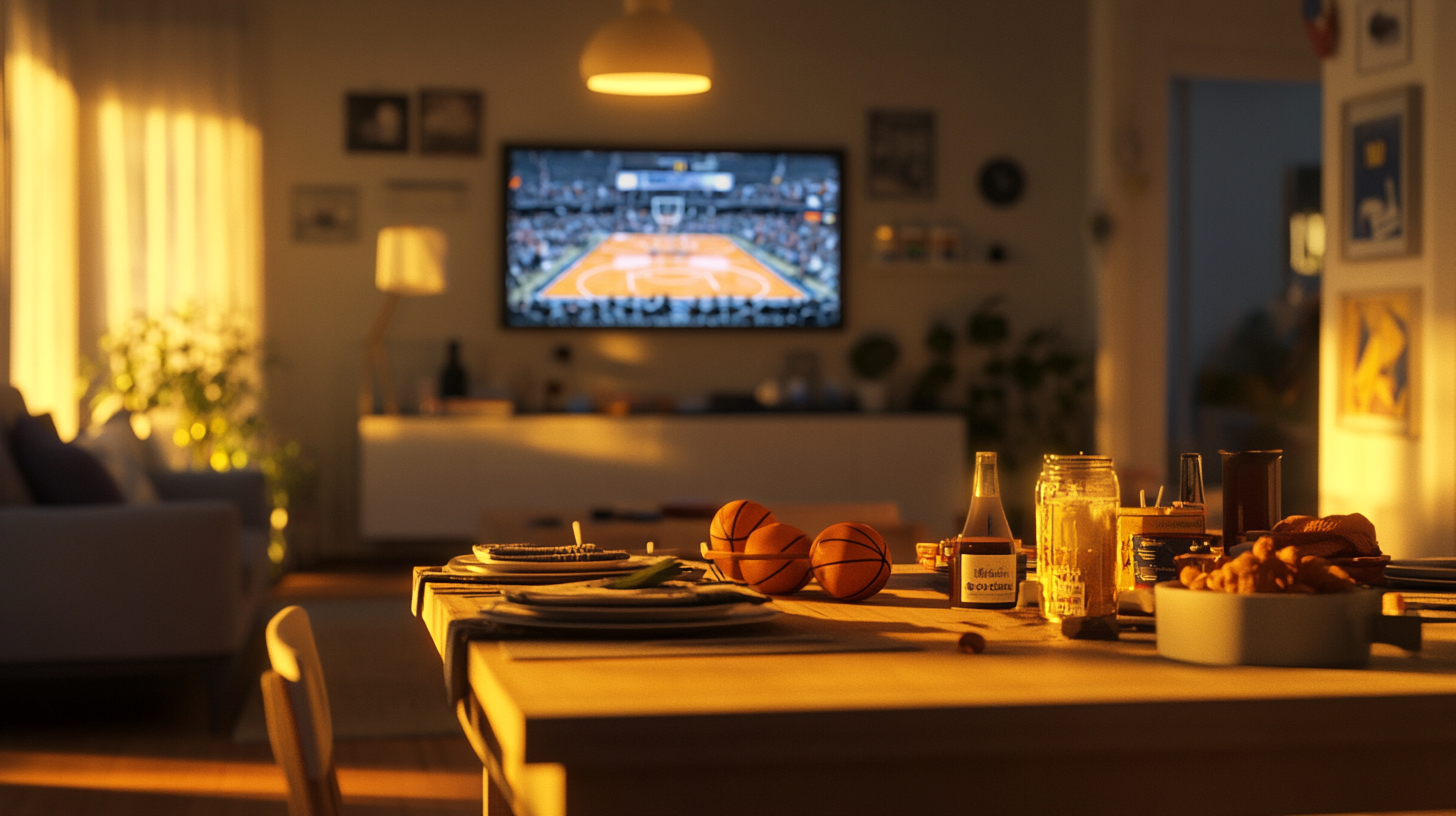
x=901, y=154
x=325, y=213
x=451, y=122
x=376, y=122
x=1382, y=201
x=1382, y=35
x=1379, y=361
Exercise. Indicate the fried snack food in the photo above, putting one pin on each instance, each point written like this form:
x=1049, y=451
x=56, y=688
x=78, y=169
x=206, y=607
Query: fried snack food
x=1268, y=568
x=1328, y=537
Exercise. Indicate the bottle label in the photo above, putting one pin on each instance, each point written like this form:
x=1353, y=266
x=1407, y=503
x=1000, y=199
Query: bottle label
x=988, y=579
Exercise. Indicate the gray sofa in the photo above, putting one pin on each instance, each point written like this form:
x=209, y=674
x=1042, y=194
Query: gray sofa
x=129, y=587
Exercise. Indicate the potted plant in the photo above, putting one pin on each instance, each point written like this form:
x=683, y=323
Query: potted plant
x=872, y=358
x=927, y=392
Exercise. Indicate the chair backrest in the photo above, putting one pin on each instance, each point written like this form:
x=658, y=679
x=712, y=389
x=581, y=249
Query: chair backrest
x=300, y=727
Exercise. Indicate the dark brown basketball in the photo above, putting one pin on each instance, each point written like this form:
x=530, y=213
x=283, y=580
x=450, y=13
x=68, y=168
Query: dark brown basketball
x=850, y=561
x=775, y=576
x=730, y=529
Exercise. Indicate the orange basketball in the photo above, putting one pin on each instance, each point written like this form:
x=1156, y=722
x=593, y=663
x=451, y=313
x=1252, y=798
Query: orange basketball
x=731, y=528
x=850, y=560
x=773, y=576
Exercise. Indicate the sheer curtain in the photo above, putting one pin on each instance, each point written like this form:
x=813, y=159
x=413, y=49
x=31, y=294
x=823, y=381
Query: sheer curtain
x=41, y=115
x=173, y=133
x=136, y=184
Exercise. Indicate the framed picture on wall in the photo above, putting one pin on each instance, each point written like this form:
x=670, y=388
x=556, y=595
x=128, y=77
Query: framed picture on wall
x=376, y=122
x=1382, y=202
x=1379, y=361
x=451, y=122
x=1382, y=34
x=325, y=212
x=901, y=154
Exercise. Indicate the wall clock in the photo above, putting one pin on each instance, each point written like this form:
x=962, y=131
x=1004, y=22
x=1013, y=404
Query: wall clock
x=1002, y=182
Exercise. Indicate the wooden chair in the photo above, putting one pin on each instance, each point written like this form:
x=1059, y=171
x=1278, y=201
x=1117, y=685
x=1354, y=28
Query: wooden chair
x=299, y=724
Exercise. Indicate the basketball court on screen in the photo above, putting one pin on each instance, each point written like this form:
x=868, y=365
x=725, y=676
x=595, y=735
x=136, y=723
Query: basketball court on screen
x=691, y=265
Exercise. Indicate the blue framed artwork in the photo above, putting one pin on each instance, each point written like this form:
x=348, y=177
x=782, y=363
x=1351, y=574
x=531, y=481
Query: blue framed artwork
x=1382, y=201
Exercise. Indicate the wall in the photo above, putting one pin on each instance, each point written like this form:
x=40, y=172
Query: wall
x=1004, y=78
x=1136, y=48
x=1404, y=484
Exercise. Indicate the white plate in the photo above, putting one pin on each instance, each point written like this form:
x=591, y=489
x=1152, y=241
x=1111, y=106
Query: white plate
x=1433, y=571
x=741, y=615
x=1423, y=563
x=579, y=570
x=1402, y=582
x=628, y=564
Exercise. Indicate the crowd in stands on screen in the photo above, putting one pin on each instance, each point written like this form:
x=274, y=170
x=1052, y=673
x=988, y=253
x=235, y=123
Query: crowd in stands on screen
x=533, y=193
x=675, y=312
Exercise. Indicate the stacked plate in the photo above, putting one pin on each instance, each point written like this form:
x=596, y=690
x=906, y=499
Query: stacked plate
x=672, y=607
x=479, y=562
x=544, y=572
x=1422, y=573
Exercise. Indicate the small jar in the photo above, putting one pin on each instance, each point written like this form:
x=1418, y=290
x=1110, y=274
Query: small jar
x=982, y=573
x=1076, y=537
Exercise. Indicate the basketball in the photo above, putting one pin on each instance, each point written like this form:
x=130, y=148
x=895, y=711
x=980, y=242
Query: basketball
x=777, y=577
x=850, y=561
x=732, y=525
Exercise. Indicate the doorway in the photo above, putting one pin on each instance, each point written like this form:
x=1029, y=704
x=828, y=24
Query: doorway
x=1243, y=322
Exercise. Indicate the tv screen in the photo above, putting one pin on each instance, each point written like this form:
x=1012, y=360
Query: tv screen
x=673, y=238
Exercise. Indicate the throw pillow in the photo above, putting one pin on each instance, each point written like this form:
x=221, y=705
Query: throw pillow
x=116, y=445
x=56, y=472
x=13, y=489
x=12, y=407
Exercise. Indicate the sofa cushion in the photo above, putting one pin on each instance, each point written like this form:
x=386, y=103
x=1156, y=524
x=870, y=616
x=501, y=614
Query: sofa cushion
x=12, y=407
x=56, y=472
x=13, y=489
x=116, y=445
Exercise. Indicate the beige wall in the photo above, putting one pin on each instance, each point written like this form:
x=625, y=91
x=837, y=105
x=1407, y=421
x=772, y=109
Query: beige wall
x=1405, y=484
x=1137, y=47
x=1004, y=78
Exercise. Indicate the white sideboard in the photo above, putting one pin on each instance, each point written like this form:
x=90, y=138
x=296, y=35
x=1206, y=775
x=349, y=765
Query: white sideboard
x=426, y=477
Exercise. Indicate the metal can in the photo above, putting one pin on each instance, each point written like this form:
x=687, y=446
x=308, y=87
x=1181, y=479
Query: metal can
x=1153, y=556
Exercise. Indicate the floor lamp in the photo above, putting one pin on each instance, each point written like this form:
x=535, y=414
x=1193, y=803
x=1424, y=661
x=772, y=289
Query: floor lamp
x=409, y=260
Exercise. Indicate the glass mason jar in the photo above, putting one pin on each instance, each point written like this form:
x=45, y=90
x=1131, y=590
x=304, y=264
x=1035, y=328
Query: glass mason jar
x=1077, y=500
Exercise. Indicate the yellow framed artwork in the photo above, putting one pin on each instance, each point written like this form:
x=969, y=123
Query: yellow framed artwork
x=1379, y=361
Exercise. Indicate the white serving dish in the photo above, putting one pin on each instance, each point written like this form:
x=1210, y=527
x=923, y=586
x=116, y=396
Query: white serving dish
x=1332, y=630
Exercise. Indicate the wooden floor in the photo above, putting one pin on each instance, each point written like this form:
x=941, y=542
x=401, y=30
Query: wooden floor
x=143, y=746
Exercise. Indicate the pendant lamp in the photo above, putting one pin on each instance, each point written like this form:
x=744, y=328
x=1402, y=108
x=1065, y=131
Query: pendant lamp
x=647, y=52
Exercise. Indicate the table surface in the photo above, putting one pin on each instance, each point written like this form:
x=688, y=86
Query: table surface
x=1035, y=722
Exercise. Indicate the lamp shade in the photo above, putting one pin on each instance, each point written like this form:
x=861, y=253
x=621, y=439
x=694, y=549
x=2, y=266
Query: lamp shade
x=647, y=52
x=411, y=260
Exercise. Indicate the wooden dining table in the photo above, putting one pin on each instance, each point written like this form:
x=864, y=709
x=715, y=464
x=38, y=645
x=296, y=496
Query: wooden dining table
x=877, y=711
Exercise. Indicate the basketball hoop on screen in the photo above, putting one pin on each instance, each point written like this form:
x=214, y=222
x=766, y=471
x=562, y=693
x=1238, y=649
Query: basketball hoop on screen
x=667, y=211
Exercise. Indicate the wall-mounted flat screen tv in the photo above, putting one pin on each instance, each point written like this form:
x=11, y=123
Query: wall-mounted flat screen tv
x=627, y=239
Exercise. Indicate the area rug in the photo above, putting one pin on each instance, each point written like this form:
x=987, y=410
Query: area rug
x=382, y=672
